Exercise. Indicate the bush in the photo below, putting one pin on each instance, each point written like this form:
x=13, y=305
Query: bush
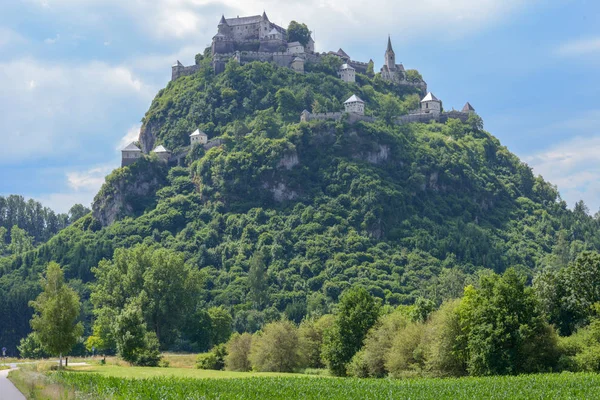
x=214, y=360
x=442, y=335
x=275, y=349
x=407, y=355
x=238, y=352
x=207, y=361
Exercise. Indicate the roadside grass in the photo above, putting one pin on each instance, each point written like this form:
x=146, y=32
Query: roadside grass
x=35, y=384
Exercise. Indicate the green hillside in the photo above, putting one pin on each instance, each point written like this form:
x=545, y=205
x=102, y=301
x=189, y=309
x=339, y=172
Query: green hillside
x=310, y=209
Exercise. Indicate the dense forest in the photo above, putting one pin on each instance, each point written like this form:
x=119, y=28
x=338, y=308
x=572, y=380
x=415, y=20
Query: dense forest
x=284, y=217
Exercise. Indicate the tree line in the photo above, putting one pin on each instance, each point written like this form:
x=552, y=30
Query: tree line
x=147, y=299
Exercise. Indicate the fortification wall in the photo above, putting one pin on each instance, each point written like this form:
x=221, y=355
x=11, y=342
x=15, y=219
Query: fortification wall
x=178, y=72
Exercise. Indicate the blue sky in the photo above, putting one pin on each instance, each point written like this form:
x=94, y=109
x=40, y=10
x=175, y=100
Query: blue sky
x=76, y=76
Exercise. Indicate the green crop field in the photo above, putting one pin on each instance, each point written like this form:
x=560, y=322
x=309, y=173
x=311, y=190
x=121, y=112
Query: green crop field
x=549, y=386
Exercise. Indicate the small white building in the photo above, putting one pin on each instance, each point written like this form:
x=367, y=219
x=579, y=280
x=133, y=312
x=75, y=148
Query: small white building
x=431, y=104
x=354, y=105
x=162, y=153
x=295, y=48
x=130, y=154
x=198, y=137
x=347, y=73
x=298, y=65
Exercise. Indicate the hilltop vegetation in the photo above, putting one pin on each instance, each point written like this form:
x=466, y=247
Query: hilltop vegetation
x=284, y=217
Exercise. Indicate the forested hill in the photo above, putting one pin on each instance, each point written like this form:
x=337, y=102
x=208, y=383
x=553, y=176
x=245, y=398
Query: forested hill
x=283, y=216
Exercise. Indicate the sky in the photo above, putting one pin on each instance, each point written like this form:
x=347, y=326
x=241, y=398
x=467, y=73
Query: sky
x=77, y=76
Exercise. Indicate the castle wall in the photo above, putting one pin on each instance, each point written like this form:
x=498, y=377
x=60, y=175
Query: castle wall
x=178, y=72
x=360, y=67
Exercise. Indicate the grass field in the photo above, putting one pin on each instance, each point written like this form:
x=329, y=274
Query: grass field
x=109, y=382
x=145, y=372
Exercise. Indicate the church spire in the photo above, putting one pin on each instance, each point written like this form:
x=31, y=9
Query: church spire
x=223, y=21
x=264, y=16
x=389, y=47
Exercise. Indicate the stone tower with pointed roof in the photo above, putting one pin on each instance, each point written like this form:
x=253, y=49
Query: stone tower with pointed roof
x=391, y=71
x=431, y=104
x=390, y=56
x=354, y=105
x=130, y=154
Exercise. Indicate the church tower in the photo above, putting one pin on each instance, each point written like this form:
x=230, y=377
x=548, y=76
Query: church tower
x=390, y=56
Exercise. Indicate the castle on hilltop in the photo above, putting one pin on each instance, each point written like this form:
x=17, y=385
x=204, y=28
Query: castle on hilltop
x=256, y=38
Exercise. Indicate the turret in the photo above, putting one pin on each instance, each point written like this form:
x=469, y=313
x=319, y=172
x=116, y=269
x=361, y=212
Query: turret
x=162, y=153
x=468, y=108
x=354, y=105
x=198, y=137
x=130, y=154
x=431, y=104
x=176, y=70
x=264, y=16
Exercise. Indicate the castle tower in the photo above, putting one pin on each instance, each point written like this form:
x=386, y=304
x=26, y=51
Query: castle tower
x=390, y=56
x=431, y=104
x=468, y=108
x=198, y=137
x=130, y=154
x=265, y=26
x=176, y=70
x=162, y=153
x=347, y=73
x=354, y=105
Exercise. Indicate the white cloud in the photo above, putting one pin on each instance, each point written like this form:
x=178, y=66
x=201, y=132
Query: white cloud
x=49, y=110
x=573, y=165
x=580, y=47
x=335, y=21
x=132, y=135
x=52, y=40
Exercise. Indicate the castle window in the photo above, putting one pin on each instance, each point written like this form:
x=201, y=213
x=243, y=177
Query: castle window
x=426, y=105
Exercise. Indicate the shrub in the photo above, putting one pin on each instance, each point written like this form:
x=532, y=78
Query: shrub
x=214, y=360
x=238, y=352
x=275, y=349
x=407, y=356
x=442, y=336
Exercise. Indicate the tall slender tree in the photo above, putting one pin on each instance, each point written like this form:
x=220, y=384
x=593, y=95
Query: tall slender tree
x=56, y=312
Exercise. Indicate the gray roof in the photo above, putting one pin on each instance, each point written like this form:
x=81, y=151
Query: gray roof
x=160, y=149
x=178, y=64
x=292, y=44
x=255, y=19
x=429, y=97
x=132, y=147
x=468, y=107
x=298, y=59
x=354, y=99
x=223, y=21
x=274, y=31
x=198, y=132
x=346, y=66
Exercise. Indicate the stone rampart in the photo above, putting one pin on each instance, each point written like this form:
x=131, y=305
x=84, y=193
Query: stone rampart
x=179, y=71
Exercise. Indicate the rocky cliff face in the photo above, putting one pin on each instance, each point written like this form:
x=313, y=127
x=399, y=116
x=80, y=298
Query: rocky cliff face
x=148, y=135
x=129, y=191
